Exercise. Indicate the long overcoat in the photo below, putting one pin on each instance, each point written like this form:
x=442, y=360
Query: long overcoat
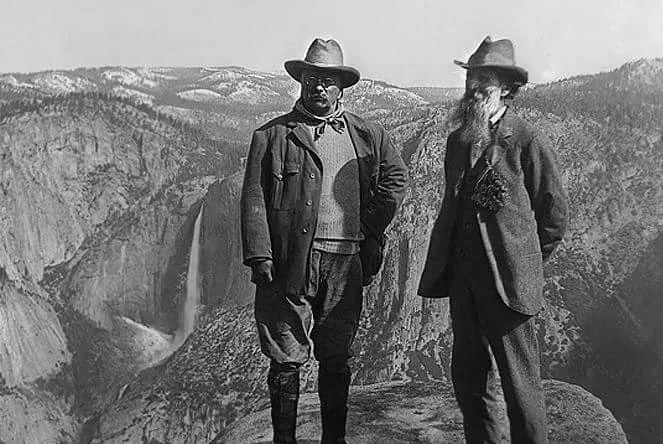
x=282, y=185
x=523, y=233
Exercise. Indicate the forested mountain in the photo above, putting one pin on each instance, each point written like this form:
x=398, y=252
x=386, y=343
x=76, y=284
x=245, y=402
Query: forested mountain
x=103, y=175
x=224, y=101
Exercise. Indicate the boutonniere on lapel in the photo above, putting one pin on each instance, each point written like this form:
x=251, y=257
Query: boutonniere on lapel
x=491, y=188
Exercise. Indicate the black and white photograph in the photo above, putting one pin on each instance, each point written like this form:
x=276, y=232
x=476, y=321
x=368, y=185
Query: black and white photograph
x=331, y=222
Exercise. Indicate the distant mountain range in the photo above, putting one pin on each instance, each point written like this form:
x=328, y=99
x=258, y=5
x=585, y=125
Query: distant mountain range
x=226, y=101
x=102, y=174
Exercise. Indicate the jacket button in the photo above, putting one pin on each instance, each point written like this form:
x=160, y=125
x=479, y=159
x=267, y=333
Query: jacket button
x=309, y=203
x=468, y=225
x=304, y=230
x=312, y=176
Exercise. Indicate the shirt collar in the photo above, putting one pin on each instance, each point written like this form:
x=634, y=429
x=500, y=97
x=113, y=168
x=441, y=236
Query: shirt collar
x=498, y=115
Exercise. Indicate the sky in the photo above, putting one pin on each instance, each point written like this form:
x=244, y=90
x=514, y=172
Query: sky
x=403, y=42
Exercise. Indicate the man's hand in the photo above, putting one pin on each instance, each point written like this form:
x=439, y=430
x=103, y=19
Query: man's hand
x=370, y=254
x=262, y=272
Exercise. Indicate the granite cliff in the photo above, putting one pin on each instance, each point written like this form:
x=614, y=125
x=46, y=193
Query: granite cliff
x=95, y=192
x=100, y=194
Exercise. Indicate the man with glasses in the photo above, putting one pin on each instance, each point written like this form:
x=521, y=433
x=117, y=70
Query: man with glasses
x=320, y=187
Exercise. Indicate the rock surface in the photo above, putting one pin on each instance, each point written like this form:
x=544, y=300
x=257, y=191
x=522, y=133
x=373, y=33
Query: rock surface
x=36, y=416
x=615, y=219
x=32, y=343
x=94, y=197
x=427, y=413
x=225, y=279
x=98, y=196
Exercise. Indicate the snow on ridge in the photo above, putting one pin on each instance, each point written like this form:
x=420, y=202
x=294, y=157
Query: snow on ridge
x=221, y=76
x=12, y=81
x=253, y=93
x=371, y=88
x=121, y=75
x=127, y=77
x=9, y=80
x=161, y=69
x=154, y=74
x=138, y=96
x=256, y=76
x=222, y=86
x=57, y=82
x=234, y=73
x=201, y=95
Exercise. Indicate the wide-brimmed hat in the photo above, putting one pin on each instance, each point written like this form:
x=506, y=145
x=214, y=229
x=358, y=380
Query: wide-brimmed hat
x=497, y=54
x=324, y=55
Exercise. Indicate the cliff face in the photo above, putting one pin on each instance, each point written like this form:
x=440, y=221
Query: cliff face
x=612, y=173
x=99, y=200
x=34, y=345
x=95, y=194
x=33, y=351
x=600, y=276
x=225, y=280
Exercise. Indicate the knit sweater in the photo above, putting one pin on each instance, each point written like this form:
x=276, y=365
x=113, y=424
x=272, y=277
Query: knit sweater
x=339, y=227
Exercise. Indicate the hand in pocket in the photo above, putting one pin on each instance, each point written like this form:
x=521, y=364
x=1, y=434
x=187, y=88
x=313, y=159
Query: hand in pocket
x=370, y=254
x=262, y=272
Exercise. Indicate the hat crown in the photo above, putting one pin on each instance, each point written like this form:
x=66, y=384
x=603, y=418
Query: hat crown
x=325, y=53
x=496, y=54
x=499, y=52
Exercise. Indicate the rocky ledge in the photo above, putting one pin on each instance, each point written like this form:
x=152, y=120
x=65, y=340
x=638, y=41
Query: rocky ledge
x=399, y=412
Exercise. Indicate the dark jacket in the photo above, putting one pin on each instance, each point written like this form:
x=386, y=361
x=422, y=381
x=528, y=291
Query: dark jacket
x=523, y=233
x=282, y=185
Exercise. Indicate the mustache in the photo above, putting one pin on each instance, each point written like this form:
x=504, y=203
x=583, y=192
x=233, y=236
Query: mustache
x=472, y=106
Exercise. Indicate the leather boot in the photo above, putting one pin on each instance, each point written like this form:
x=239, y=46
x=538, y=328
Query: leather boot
x=283, y=396
x=333, y=392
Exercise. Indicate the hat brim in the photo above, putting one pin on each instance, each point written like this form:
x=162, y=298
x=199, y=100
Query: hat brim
x=520, y=73
x=349, y=75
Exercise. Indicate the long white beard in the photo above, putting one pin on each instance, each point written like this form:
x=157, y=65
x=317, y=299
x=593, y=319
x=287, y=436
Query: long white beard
x=473, y=115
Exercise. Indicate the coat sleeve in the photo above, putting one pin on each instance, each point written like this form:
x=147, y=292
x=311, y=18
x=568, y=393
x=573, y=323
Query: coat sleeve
x=547, y=195
x=390, y=190
x=256, y=243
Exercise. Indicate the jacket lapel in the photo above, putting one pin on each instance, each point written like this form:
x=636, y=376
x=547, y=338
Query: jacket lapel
x=502, y=138
x=458, y=168
x=298, y=130
x=359, y=135
x=367, y=159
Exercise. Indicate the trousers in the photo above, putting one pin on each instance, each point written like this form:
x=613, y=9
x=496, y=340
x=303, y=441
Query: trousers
x=325, y=321
x=482, y=324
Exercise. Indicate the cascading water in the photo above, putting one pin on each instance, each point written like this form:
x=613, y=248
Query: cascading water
x=192, y=300
x=162, y=348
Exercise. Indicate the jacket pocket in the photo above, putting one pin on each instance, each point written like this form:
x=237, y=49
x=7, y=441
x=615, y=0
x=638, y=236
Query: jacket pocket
x=284, y=186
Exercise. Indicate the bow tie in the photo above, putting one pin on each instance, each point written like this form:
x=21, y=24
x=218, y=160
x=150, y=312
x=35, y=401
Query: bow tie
x=336, y=123
x=335, y=120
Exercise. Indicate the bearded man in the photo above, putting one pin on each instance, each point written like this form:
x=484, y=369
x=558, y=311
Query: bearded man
x=321, y=186
x=504, y=211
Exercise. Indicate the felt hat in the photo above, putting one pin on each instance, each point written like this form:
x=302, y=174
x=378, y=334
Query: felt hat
x=496, y=54
x=324, y=55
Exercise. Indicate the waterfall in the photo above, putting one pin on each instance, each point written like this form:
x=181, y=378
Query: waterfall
x=192, y=300
x=156, y=345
